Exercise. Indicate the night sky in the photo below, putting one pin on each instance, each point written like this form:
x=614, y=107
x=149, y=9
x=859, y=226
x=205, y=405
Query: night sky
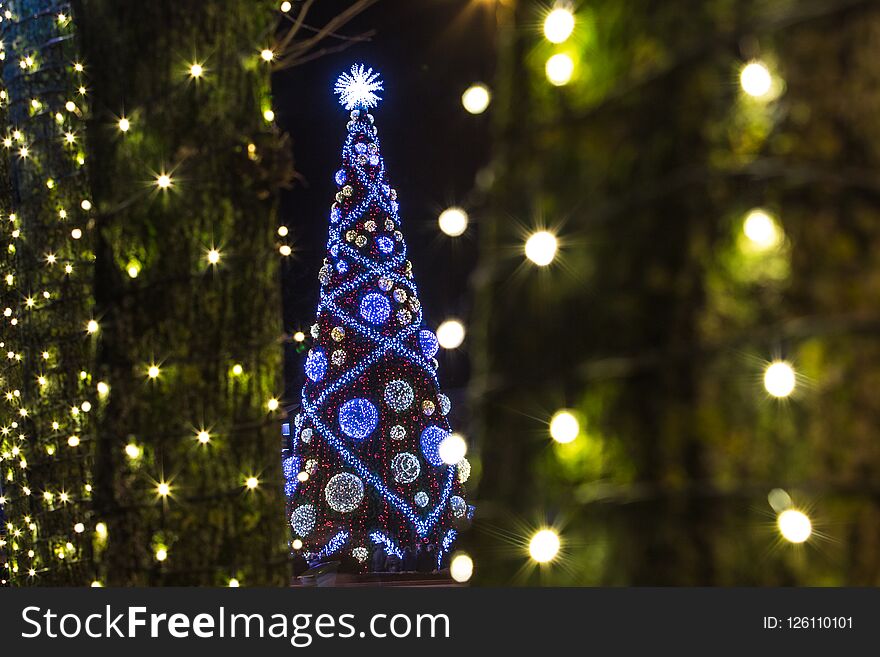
x=428, y=52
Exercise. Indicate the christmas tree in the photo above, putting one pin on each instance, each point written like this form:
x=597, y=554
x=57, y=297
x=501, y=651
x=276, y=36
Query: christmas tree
x=372, y=467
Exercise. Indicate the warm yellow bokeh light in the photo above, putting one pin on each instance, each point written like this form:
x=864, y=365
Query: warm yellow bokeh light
x=163, y=489
x=544, y=546
x=164, y=181
x=761, y=230
x=453, y=221
x=564, y=427
x=124, y=124
x=461, y=568
x=203, y=437
x=161, y=554
x=267, y=55
x=234, y=583
x=755, y=79
x=452, y=449
x=559, y=69
x=272, y=404
x=196, y=70
x=213, y=256
x=476, y=98
x=153, y=371
x=450, y=334
x=132, y=451
x=541, y=248
x=779, y=379
x=558, y=25
x=794, y=526
x=252, y=483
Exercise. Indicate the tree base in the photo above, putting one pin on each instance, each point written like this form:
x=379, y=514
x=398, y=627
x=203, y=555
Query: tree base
x=327, y=574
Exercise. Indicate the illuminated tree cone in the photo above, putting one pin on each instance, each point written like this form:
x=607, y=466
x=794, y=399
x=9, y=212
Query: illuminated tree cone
x=363, y=468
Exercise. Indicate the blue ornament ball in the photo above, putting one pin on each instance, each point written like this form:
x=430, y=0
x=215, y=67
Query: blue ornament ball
x=303, y=519
x=428, y=343
x=430, y=441
x=399, y=395
x=421, y=499
x=385, y=244
x=358, y=418
x=316, y=365
x=340, y=177
x=458, y=506
x=375, y=308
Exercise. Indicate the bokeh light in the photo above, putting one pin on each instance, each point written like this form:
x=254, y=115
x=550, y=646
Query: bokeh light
x=453, y=221
x=564, y=427
x=559, y=69
x=541, y=248
x=779, y=379
x=794, y=526
x=476, y=98
x=450, y=334
x=544, y=546
x=558, y=25
x=755, y=79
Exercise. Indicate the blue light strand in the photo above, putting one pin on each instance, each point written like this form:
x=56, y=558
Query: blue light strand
x=333, y=545
x=389, y=545
x=445, y=545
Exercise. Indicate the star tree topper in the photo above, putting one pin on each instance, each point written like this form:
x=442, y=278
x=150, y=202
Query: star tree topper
x=357, y=88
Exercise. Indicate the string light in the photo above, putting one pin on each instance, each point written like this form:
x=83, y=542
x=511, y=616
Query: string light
x=272, y=404
x=251, y=483
x=453, y=221
x=234, y=583
x=161, y=554
x=559, y=24
x=267, y=55
x=794, y=526
x=203, y=436
x=213, y=256
x=559, y=69
x=544, y=546
x=124, y=124
x=779, y=379
x=541, y=248
x=237, y=369
x=269, y=115
x=285, y=250
x=285, y=6
x=92, y=326
x=755, y=79
x=132, y=451
x=564, y=427
x=163, y=489
x=450, y=334
x=476, y=98
x=153, y=371
x=196, y=70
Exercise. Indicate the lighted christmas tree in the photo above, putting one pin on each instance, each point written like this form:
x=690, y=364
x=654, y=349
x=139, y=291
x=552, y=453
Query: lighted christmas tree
x=372, y=464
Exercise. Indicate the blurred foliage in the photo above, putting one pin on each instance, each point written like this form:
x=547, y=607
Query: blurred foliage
x=191, y=318
x=659, y=316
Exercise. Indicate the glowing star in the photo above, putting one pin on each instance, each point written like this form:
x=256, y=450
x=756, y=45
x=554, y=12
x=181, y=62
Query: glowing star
x=357, y=89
